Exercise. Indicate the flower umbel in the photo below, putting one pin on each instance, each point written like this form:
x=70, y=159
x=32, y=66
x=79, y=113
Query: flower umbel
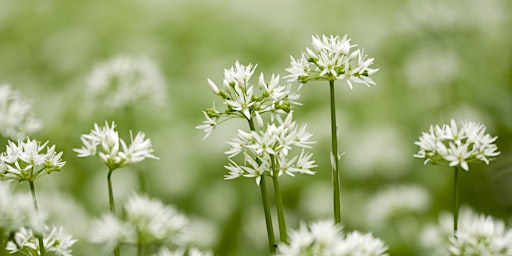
x=244, y=100
x=457, y=145
x=55, y=240
x=16, y=117
x=332, y=58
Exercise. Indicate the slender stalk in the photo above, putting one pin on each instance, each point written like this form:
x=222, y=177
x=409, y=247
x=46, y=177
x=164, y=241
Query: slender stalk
x=140, y=248
x=334, y=152
x=3, y=242
x=36, y=208
x=279, y=205
x=117, y=251
x=455, y=200
x=266, y=206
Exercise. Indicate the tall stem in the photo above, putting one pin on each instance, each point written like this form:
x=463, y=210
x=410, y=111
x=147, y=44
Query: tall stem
x=280, y=208
x=36, y=208
x=455, y=200
x=112, y=204
x=266, y=206
x=334, y=152
x=3, y=242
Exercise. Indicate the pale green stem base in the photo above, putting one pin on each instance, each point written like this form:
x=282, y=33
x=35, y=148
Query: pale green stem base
x=334, y=145
x=455, y=201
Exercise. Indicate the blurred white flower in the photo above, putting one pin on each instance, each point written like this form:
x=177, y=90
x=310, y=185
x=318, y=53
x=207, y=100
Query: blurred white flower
x=267, y=151
x=110, y=231
x=243, y=100
x=457, y=146
x=26, y=161
x=111, y=154
x=183, y=252
x=326, y=238
x=16, y=117
x=122, y=81
x=17, y=211
x=331, y=59
x=394, y=202
x=55, y=240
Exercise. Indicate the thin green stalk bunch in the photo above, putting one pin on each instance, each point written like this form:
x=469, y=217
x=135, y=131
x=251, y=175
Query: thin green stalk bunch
x=27, y=161
x=333, y=58
x=266, y=149
x=457, y=147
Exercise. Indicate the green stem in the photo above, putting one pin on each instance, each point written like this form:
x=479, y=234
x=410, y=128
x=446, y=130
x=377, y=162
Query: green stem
x=455, y=200
x=140, y=248
x=112, y=203
x=266, y=206
x=334, y=152
x=280, y=209
x=36, y=208
x=3, y=242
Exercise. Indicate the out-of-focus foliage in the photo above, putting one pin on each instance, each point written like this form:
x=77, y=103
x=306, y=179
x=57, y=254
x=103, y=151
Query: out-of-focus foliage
x=438, y=60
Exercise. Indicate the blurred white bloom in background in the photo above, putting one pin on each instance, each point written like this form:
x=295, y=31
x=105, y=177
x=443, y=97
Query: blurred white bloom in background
x=423, y=62
x=395, y=202
x=55, y=240
x=478, y=234
x=114, y=151
x=457, y=146
x=17, y=211
x=124, y=80
x=29, y=160
x=182, y=252
x=325, y=238
x=332, y=58
x=146, y=221
x=16, y=117
x=266, y=151
x=243, y=100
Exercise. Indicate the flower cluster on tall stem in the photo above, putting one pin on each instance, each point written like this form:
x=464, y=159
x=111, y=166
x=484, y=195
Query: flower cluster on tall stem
x=457, y=146
x=245, y=101
x=332, y=58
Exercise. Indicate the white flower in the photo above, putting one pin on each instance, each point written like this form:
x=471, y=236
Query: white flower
x=331, y=59
x=183, y=252
x=110, y=153
x=16, y=117
x=55, y=240
x=122, y=81
x=17, y=210
x=357, y=243
x=110, y=231
x=26, y=161
x=58, y=241
x=457, y=146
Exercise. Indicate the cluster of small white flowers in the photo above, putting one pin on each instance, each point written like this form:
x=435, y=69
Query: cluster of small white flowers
x=266, y=151
x=17, y=211
x=182, y=252
x=146, y=221
x=16, y=117
x=394, y=202
x=477, y=235
x=26, y=161
x=332, y=58
x=457, y=146
x=326, y=238
x=124, y=80
x=55, y=240
x=243, y=101
x=111, y=153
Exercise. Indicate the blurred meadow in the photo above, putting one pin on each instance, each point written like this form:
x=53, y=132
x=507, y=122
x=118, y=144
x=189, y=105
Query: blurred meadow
x=437, y=60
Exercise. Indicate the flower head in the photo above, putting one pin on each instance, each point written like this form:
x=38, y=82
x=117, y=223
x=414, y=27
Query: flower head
x=268, y=151
x=332, y=58
x=28, y=160
x=108, y=141
x=55, y=240
x=244, y=100
x=16, y=117
x=122, y=81
x=457, y=146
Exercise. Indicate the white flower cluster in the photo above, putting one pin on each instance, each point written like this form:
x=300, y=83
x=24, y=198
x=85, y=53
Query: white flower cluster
x=16, y=117
x=124, y=80
x=477, y=235
x=457, y=146
x=26, y=161
x=17, y=211
x=326, y=238
x=111, y=153
x=146, y=222
x=243, y=101
x=55, y=241
x=332, y=58
x=267, y=151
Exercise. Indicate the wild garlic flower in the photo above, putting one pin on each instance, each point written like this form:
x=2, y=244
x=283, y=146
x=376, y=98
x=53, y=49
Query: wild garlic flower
x=122, y=81
x=332, y=58
x=114, y=151
x=16, y=117
x=457, y=146
x=244, y=100
x=17, y=211
x=326, y=238
x=55, y=240
x=267, y=151
x=146, y=221
x=28, y=160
